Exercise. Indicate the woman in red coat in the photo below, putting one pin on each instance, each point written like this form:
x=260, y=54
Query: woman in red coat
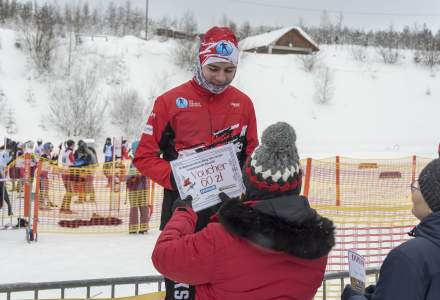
x=272, y=246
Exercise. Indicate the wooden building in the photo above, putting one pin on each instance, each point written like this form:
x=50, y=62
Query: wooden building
x=282, y=41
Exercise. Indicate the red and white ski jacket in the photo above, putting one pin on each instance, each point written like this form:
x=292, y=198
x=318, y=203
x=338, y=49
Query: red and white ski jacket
x=189, y=118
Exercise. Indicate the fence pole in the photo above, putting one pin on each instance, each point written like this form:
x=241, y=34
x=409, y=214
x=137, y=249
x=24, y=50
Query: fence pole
x=414, y=167
x=307, y=177
x=37, y=198
x=338, y=191
x=27, y=179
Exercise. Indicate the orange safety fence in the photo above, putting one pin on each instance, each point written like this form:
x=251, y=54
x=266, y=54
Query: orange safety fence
x=369, y=201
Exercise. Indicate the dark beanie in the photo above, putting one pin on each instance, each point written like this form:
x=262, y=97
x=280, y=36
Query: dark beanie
x=274, y=167
x=429, y=182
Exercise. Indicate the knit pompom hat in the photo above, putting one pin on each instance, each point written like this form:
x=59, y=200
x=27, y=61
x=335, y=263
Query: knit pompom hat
x=274, y=167
x=429, y=182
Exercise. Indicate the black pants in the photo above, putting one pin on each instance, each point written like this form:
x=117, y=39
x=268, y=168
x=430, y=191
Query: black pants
x=175, y=290
x=4, y=196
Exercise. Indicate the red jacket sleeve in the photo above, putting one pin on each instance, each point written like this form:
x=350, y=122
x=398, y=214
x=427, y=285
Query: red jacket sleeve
x=182, y=255
x=251, y=135
x=147, y=159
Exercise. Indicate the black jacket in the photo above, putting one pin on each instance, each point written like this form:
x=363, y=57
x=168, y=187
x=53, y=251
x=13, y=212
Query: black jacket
x=411, y=271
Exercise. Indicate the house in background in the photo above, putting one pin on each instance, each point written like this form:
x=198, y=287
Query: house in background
x=282, y=41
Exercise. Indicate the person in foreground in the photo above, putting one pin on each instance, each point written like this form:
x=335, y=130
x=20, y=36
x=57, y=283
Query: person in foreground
x=411, y=271
x=272, y=245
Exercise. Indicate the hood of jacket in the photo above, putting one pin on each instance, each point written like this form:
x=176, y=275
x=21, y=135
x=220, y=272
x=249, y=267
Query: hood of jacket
x=287, y=224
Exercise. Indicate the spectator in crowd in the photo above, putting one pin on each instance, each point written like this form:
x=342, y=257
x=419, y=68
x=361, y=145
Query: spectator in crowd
x=84, y=157
x=272, y=246
x=411, y=271
x=124, y=150
x=67, y=160
x=5, y=159
x=38, y=147
x=137, y=187
x=47, y=162
x=108, y=150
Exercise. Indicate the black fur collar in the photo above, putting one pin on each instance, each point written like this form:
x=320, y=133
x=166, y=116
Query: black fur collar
x=284, y=224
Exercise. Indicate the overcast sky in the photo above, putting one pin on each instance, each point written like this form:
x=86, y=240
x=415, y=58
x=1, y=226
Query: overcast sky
x=365, y=14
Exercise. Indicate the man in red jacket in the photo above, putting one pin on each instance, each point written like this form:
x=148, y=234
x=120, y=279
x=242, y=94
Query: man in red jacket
x=202, y=113
x=273, y=246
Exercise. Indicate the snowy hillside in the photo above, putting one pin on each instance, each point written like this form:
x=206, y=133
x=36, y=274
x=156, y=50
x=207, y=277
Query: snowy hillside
x=376, y=109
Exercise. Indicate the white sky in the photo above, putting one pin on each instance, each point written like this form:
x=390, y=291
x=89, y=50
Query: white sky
x=372, y=14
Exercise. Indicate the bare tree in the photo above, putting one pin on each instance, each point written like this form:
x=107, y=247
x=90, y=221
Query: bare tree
x=388, y=45
x=324, y=86
x=244, y=30
x=185, y=54
x=359, y=53
x=30, y=96
x=3, y=102
x=188, y=23
x=127, y=112
x=9, y=122
x=39, y=37
x=430, y=56
x=389, y=55
x=75, y=108
x=310, y=61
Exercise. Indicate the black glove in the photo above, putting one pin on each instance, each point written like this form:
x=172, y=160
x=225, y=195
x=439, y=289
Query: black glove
x=369, y=291
x=349, y=292
x=179, y=203
x=225, y=198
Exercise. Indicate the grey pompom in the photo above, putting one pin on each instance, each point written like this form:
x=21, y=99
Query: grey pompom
x=279, y=137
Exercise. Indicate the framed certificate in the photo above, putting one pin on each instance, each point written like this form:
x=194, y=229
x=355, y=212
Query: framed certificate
x=206, y=174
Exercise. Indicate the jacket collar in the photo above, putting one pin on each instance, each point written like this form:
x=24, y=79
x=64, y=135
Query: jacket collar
x=202, y=91
x=429, y=228
x=286, y=224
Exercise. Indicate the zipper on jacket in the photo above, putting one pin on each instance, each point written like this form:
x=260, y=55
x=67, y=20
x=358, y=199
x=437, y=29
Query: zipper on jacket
x=211, y=98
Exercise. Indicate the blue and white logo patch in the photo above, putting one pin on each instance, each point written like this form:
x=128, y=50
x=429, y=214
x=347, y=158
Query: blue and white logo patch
x=148, y=129
x=224, y=48
x=181, y=102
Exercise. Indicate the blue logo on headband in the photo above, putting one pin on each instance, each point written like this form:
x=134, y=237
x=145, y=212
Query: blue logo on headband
x=224, y=48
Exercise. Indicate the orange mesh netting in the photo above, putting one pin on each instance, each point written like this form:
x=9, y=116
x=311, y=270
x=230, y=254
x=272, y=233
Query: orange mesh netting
x=368, y=200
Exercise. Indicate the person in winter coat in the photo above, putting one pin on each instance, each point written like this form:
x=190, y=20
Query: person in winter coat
x=202, y=113
x=67, y=160
x=108, y=150
x=5, y=159
x=47, y=160
x=272, y=246
x=137, y=187
x=84, y=157
x=39, y=147
x=411, y=271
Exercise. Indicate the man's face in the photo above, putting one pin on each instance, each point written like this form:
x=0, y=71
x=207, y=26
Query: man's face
x=219, y=74
x=420, y=209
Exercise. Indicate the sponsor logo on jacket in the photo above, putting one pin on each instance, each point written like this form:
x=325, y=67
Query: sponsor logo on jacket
x=148, y=129
x=235, y=104
x=181, y=102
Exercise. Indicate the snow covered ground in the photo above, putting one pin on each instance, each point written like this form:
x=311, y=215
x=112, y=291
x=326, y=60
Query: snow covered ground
x=57, y=257
x=377, y=110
